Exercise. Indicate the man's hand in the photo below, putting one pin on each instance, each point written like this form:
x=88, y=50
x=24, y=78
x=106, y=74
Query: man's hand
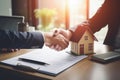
x=66, y=33
x=67, y=36
x=58, y=42
x=8, y=50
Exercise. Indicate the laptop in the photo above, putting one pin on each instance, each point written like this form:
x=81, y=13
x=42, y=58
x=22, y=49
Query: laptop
x=10, y=22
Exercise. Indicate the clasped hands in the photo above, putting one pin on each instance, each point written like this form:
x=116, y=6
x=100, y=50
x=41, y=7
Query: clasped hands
x=57, y=39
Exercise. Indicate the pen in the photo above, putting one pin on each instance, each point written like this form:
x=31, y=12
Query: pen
x=24, y=68
x=33, y=61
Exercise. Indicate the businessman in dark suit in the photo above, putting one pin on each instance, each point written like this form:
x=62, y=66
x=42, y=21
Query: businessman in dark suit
x=107, y=14
x=14, y=39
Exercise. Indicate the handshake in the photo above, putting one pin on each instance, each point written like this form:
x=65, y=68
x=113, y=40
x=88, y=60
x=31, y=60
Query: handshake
x=57, y=39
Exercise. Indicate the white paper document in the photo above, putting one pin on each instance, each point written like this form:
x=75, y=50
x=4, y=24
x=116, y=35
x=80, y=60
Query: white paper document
x=58, y=60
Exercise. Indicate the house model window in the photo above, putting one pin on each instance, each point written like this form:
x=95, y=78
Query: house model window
x=86, y=37
x=83, y=42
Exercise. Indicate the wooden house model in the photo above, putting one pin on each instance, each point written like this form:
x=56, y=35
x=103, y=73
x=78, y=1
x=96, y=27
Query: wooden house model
x=83, y=41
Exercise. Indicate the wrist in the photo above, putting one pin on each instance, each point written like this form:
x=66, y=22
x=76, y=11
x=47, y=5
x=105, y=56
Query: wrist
x=69, y=32
x=47, y=37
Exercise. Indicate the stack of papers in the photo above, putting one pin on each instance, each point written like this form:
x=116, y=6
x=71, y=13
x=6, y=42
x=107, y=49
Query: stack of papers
x=58, y=61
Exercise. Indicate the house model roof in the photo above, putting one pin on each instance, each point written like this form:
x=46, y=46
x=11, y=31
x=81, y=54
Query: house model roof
x=80, y=32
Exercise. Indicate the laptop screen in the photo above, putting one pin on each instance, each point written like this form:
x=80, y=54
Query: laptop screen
x=10, y=22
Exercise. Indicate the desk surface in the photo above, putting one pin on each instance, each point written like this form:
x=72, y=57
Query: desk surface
x=83, y=70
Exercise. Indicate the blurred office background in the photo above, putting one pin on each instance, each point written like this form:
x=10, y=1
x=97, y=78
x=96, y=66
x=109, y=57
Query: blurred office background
x=68, y=12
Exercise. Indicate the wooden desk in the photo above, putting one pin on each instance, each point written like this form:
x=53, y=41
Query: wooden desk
x=83, y=70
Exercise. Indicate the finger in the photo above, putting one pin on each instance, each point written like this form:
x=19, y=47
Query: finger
x=66, y=40
x=56, y=32
x=48, y=44
x=13, y=50
x=57, y=47
x=52, y=47
x=63, y=43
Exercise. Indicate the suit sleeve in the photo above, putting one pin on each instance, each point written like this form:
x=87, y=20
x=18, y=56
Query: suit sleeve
x=98, y=21
x=14, y=39
x=101, y=17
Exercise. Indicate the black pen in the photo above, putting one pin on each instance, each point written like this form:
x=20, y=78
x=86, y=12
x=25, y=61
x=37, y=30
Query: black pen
x=33, y=61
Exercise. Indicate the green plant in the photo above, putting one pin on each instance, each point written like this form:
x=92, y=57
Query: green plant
x=45, y=15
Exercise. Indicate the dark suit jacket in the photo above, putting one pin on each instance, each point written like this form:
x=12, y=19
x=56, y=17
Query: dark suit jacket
x=13, y=39
x=108, y=14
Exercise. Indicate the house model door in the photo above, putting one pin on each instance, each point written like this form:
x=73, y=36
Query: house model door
x=81, y=48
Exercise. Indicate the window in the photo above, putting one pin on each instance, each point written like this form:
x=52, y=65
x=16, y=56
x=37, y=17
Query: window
x=81, y=10
x=90, y=46
x=73, y=12
x=94, y=5
x=59, y=6
x=86, y=37
x=69, y=12
x=78, y=11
